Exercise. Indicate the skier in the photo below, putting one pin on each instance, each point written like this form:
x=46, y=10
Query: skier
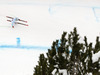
x=13, y=22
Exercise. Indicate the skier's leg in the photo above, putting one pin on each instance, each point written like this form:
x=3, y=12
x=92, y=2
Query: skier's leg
x=12, y=24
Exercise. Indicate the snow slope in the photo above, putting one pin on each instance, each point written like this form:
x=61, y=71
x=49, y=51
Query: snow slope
x=47, y=20
x=18, y=61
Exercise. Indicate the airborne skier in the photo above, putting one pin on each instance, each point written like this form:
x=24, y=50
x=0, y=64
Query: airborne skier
x=14, y=21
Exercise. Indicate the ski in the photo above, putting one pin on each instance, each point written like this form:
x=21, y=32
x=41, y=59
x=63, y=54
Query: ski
x=22, y=20
x=18, y=19
x=9, y=20
x=21, y=23
x=9, y=17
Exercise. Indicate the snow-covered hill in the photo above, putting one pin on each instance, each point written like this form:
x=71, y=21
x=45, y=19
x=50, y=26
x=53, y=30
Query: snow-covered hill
x=47, y=20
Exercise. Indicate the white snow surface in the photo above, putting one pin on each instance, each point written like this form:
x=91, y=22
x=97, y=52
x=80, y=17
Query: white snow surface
x=47, y=19
x=96, y=57
x=18, y=61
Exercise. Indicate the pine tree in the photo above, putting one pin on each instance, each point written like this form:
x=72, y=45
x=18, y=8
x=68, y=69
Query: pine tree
x=51, y=58
x=97, y=46
x=61, y=56
x=75, y=66
x=96, y=67
x=68, y=53
x=42, y=68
